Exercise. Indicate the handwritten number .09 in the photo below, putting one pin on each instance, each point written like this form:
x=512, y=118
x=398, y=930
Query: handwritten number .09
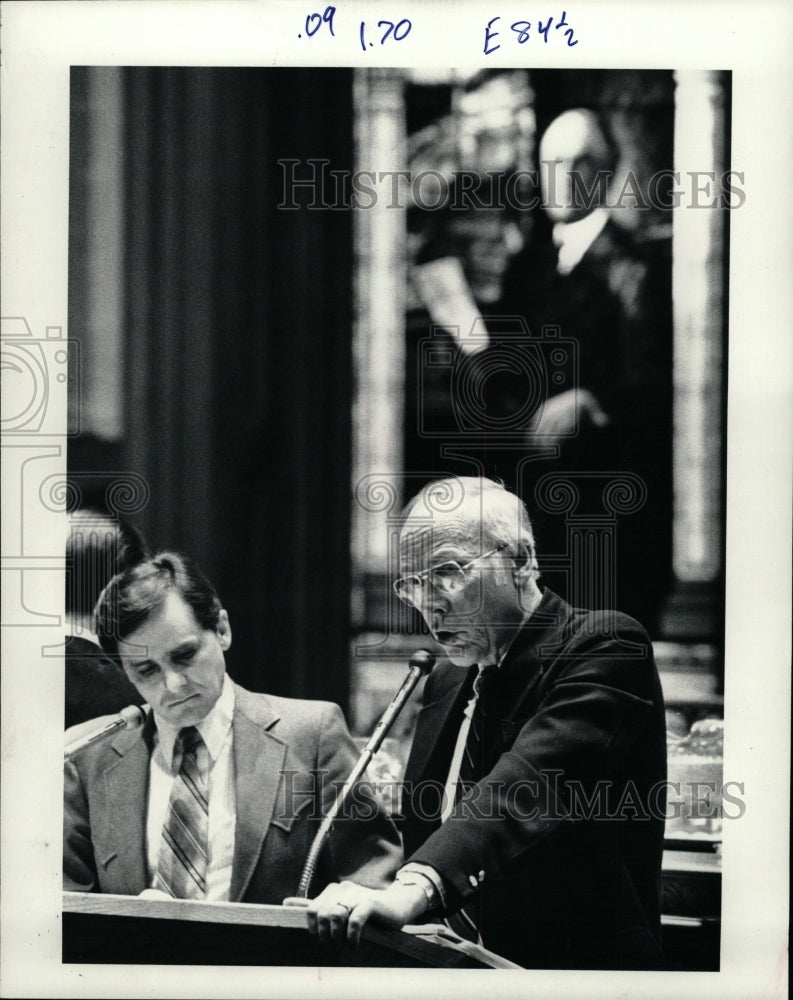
x=397, y=31
x=315, y=21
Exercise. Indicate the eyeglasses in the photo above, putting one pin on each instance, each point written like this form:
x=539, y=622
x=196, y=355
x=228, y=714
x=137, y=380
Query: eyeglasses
x=449, y=578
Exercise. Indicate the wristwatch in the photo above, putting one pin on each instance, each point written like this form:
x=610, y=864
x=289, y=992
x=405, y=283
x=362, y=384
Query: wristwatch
x=409, y=876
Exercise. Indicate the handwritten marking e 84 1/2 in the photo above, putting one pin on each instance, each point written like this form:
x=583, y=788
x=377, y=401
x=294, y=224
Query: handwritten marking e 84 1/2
x=522, y=32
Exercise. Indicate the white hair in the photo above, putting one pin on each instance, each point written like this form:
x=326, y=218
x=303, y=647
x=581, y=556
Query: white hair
x=497, y=513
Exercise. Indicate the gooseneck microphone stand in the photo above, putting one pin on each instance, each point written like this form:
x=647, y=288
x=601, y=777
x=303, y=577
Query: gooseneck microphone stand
x=421, y=663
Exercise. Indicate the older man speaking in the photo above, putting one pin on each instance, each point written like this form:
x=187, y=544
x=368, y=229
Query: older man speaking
x=534, y=792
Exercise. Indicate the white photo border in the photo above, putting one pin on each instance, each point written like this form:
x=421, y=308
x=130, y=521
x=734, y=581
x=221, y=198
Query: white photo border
x=41, y=41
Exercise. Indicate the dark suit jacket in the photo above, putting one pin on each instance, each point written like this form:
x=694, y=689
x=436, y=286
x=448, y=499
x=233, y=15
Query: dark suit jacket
x=616, y=305
x=550, y=881
x=94, y=684
x=278, y=743
x=466, y=414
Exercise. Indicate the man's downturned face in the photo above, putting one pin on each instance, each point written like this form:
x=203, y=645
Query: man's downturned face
x=175, y=664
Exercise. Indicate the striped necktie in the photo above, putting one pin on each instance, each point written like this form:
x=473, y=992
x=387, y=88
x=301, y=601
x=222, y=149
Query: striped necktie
x=184, y=847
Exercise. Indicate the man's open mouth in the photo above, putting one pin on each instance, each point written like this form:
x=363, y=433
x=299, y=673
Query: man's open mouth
x=446, y=638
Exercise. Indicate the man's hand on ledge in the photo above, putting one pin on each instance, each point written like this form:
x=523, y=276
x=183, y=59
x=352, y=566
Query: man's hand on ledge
x=341, y=910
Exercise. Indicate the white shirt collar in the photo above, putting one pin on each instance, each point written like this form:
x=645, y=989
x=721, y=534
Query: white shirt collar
x=574, y=238
x=214, y=727
x=497, y=663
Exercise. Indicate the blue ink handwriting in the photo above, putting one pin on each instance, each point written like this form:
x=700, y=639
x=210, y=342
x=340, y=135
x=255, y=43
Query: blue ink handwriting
x=522, y=32
x=315, y=21
x=396, y=31
x=387, y=31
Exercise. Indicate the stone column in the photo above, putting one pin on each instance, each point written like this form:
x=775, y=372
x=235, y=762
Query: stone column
x=379, y=236
x=99, y=308
x=699, y=317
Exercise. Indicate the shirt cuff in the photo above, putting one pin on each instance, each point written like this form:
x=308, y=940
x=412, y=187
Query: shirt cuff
x=427, y=879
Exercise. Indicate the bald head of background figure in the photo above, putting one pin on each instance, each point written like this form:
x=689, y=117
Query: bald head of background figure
x=574, y=149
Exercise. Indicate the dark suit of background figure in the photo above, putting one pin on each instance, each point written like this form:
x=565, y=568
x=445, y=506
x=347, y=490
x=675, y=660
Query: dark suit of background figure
x=549, y=892
x=442, y=411
x=98, y=546
x=94, y=684
x=277, y=743
x=617, y=305
x=443, y=405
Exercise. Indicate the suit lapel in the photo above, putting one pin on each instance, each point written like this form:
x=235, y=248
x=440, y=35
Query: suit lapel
x=522, y=670
x=519, y=677
x=258, y=761
x=434, y=720
x=431, y=752
x=126, y=787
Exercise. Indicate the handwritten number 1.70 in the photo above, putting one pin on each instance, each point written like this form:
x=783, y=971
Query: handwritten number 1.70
x=396, y=31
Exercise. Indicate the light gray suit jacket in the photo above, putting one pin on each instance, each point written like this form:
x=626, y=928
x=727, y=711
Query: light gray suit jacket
x=287, y=755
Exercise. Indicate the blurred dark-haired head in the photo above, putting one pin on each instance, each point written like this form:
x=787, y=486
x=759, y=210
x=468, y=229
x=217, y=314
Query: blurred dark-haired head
x=132, y=596
x=98, y=547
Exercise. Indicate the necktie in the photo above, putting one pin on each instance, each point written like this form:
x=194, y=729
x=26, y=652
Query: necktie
x=477, y=751
x=184, y=848
x=476, y=757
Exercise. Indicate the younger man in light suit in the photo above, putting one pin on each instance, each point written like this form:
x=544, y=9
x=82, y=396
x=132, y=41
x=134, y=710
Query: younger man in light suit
x=218, y=796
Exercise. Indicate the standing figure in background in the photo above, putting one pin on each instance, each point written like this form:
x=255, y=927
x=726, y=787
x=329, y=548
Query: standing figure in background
x=457, y=392
x=612, y=296
x=97, y=548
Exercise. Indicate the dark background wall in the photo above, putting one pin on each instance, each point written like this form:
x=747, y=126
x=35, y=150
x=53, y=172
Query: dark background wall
x=237, y=352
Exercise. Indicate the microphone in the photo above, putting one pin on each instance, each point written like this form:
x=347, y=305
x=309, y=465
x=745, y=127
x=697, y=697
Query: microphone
x=421, y=662
x=130, y=717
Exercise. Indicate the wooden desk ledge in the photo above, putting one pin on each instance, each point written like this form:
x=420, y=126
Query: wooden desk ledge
x=432, y=951
x=252, y=914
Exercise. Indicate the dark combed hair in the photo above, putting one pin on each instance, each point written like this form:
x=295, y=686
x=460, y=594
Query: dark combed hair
x=133, y=595
x=98, y=548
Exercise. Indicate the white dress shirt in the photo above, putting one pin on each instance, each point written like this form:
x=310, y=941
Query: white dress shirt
x=429, y=879
x=573, y=239
x=450, y=789
x=216, y=731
